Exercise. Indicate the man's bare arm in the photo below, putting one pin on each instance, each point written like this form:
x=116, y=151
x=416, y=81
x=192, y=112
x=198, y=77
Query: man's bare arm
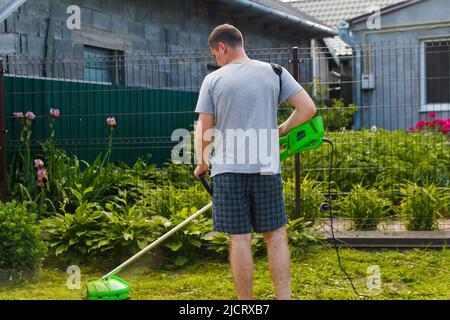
x=305, y=109
x=205, y=123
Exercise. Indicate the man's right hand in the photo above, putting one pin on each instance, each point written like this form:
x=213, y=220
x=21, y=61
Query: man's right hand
x=201, y=169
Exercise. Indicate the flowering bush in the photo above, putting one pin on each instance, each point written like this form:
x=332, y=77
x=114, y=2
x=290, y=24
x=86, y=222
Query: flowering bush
x=442, y=125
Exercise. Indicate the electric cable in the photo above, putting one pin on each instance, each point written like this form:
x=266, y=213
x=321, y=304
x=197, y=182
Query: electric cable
x=328, y=206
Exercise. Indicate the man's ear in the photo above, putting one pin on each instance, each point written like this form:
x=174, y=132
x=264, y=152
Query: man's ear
x=222, y=46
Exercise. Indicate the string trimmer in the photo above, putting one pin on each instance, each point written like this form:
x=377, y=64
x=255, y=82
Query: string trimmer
x=307, y=136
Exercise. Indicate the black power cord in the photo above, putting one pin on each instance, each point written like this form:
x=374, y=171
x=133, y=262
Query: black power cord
x=327, y=206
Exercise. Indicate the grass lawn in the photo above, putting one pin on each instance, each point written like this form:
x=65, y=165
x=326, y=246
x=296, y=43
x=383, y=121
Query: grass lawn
x=413, y=274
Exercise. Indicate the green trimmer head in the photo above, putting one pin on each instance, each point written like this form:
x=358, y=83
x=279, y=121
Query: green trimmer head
x=111, y=288
x=307, y=136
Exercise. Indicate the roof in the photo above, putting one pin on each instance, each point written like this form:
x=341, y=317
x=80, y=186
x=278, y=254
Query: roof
x=338, y=47
x=388, y=9
x=286, y=8
x=9, y=6
x=332, y=12
x=276, y=11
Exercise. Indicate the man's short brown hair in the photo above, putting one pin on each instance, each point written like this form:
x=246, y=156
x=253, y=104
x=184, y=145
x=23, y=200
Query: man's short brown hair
x=227, y=34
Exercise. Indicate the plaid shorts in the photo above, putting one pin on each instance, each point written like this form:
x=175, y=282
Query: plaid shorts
x=246, y=201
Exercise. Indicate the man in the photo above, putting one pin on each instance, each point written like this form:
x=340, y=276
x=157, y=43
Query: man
x=241, y=100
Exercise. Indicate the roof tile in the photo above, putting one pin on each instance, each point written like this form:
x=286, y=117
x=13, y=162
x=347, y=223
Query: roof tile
x=332, y=12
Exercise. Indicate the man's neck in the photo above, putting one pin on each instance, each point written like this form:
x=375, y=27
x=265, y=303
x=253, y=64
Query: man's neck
x=240, y=58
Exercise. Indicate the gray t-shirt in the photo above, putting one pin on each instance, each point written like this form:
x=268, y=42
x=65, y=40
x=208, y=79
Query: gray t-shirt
x=244, y=98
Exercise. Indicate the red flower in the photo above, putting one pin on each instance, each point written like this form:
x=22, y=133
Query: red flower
x=432, y=114
x=445, y=129
x=421, y=124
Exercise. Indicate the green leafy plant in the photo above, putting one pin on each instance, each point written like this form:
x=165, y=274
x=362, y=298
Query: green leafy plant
x=21, y=250
x=312, y=197
x=378, y=158
x=365, y=207
x=129, y=228
x=422, y=206
x=338, y=116
x=73, y=234
x=302, y=234
x=188, y=242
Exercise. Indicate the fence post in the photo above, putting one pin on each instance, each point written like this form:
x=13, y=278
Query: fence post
x=3, y=131
x=298, y=194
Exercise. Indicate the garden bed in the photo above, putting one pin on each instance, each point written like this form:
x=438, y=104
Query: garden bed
x=392, y=239
x=77, y=212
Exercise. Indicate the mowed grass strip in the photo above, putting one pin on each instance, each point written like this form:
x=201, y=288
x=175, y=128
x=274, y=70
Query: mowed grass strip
x=412, y=274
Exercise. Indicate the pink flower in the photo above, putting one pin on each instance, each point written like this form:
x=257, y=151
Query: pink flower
x=412, y=130
x=55, y=113
x=439, y=121
x=30, y=115
x=111, y=122
x=420, y=124
x=38, y=163
x=18, y=115
x=41, y=176
x=41, y=181
x=432, y=114
x=430, y=123
x=42, y=173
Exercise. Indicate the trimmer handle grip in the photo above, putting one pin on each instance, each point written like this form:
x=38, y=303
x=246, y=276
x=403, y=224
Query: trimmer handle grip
x=206, y=184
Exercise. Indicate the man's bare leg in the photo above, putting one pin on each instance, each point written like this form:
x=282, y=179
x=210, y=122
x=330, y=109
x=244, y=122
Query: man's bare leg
x=279, y=262
x=241, y=260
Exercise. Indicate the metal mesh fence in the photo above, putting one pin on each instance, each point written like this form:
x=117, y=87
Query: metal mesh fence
x=385, y=107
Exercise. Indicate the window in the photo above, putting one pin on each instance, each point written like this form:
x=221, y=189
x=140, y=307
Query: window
x=435, y=75
x=103, y=65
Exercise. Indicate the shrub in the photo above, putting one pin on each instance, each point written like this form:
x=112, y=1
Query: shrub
x=379, y=158
x=74, y=234
x=129, y=228
x=312, y=197
x=365, y=207
x=338, y=116
x=119, y=229
x=21, y=250
x=335, y=118
x=421, y=206
x=189, y=242
x=440, y=125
